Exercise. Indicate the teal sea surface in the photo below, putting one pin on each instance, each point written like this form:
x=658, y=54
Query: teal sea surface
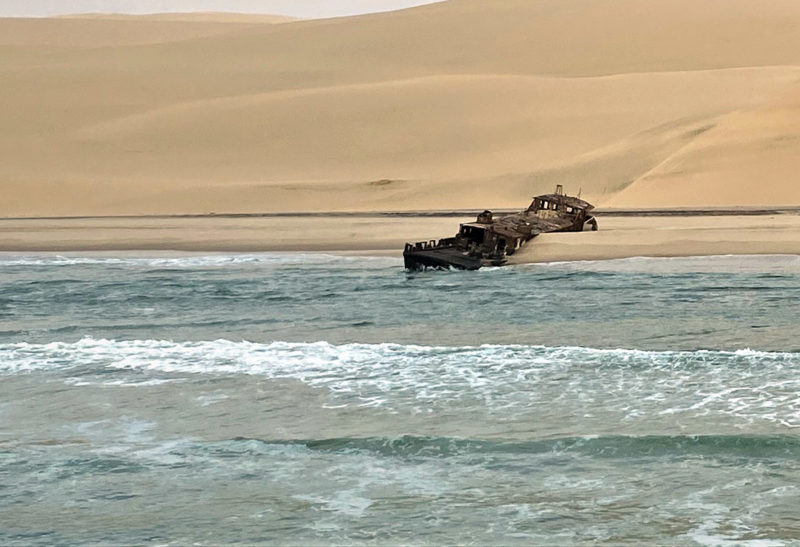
x=319, y=399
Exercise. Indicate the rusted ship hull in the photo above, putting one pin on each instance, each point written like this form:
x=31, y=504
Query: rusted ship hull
x=440, y=259
x=490, y=240
x=443, y=255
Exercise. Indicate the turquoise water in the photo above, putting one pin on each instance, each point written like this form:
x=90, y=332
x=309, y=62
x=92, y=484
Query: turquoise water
x=314, y=399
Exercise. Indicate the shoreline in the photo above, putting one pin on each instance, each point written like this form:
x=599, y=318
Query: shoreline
x=433, y=213
x=774, y=232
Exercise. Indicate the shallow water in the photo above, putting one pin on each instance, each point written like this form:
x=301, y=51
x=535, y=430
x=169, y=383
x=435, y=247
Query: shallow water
x=292, y=398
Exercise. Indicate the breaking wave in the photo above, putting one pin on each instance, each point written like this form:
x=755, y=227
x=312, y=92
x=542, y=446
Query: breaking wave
x=322, y=359
x=609, y=386
x=199, y=261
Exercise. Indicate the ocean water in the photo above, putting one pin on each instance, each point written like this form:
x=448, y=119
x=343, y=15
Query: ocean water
x=314, y=399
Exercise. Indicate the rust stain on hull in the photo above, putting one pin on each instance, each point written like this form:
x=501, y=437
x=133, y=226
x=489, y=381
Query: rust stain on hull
x=491, y=239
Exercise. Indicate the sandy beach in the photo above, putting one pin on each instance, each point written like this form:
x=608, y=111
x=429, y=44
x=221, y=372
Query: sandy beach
x=625, y=237
x=221, y=234
x=619, y=236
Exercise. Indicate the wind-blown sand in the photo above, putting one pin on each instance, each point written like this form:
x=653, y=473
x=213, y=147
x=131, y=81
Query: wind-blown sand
x=462, y=104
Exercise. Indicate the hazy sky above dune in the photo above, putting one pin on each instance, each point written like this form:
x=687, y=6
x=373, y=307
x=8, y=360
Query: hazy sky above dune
x=295, y=8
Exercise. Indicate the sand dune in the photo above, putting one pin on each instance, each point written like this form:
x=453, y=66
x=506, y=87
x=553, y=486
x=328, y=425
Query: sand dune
x=203, y=17
x=463, y=104
x=26, y=41
x=749, y=157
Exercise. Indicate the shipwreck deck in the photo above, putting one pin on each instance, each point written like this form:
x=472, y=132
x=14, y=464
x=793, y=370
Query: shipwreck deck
x=440, y=258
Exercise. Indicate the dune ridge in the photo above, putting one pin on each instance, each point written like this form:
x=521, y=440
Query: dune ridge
x=199, y=16
x=461, y=104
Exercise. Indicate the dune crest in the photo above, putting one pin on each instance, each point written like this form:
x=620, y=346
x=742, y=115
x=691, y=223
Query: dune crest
x=197, y=17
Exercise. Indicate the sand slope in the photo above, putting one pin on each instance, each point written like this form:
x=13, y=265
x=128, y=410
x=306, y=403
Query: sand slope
x=639, y=103
x=748, y=157
x=22, y=39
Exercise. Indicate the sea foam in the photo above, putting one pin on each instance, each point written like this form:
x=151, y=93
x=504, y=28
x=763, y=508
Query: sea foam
x=188, y=261
x=323, y=358
x=617, y=385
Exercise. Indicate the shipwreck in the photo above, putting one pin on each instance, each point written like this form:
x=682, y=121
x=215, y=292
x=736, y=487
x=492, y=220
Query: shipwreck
x=491, y=239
